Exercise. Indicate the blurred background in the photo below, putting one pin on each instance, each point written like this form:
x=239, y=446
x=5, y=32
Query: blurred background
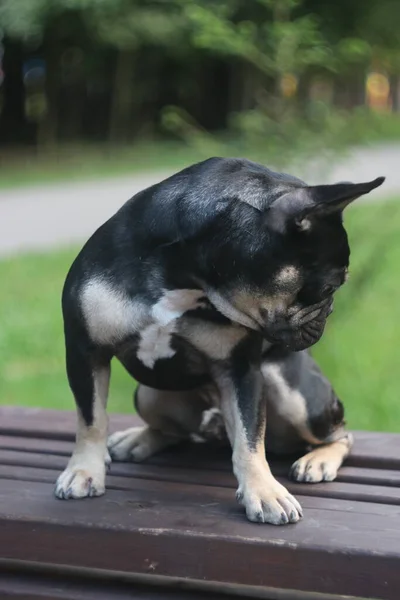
x=100, y=98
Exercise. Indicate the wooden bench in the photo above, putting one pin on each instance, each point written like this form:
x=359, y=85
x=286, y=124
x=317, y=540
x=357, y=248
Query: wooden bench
x=171, y=528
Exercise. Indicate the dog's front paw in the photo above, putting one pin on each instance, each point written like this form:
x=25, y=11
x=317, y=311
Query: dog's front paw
x=269, y=502
x=81, y=481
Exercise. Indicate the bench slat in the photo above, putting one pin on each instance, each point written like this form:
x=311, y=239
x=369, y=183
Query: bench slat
x=384, y=477
x=207, y=494
x=372, y=449
x=170, y=533
x=128, y=472
x=45, y=585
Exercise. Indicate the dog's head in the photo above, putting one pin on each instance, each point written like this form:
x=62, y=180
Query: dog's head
x=278, y=257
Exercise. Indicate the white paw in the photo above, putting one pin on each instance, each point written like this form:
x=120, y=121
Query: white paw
x=134, y=444
x=313, y=469
x=81, y=481
x=269, y=502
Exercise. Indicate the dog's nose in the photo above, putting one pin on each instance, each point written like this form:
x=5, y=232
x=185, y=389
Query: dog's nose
x=330, y=309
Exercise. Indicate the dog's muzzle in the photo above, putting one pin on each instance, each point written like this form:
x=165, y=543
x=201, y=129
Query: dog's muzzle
x=301, y=329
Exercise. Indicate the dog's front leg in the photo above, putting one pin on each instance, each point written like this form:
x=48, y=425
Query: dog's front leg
x=244, y=410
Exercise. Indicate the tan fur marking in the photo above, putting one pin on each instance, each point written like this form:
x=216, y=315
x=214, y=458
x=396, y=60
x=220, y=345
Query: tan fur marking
x=216, y=342
x=288, y=275
x=251, y=304
x=323, y=463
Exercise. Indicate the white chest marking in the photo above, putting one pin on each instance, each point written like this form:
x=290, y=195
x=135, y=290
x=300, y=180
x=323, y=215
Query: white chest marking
x=156, y=338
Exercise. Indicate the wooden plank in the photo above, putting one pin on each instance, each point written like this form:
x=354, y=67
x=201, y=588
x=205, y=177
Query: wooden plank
x=347, y=474
x=35, y=582
x=70, y=586
x=192, y=507
x=47, y=423
x=135, y=531
x=201, y=493
x=377, y=450
x=389, y=477
x=29, y=444
x=24, y=587
x=384, y=477
x=192, y=455
x=128, y=472
x=372, y=449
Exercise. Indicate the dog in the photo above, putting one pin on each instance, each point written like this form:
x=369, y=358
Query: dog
x=190, y=284
x=303, y=410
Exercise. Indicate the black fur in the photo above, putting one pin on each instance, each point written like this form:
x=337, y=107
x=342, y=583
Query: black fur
x=206, y=227
x=225, y=227
x=246, y=376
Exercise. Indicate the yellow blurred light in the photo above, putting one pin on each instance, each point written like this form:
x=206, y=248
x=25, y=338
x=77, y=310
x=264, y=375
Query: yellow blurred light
x=378, y=91
x=289, y=85
x=378, y=85
x=35, y=106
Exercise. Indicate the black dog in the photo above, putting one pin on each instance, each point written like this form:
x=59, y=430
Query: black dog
x=190, y=282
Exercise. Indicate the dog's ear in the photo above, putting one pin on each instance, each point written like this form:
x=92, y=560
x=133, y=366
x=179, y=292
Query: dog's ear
x=302, y=205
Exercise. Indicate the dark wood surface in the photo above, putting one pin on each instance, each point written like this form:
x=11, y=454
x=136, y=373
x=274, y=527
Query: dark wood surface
x=176, y=517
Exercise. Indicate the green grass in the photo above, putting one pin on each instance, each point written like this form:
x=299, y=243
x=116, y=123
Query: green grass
x=76, y=162
x=27, y=166
x=80, y=162
x=359, y=352
x=360, y=349
x=32, y=371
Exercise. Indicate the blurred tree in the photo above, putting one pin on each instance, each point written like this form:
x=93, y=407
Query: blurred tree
x=128, y=25
x=271, y=44
x=50, y=29
x=25, y=20
x=265, y=34
x=272, y=50
x=125, y=25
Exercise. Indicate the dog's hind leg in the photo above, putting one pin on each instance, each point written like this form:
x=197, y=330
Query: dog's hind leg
x=138, y=443
x=170, y=417
x=305, y=409
x=89, y=376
